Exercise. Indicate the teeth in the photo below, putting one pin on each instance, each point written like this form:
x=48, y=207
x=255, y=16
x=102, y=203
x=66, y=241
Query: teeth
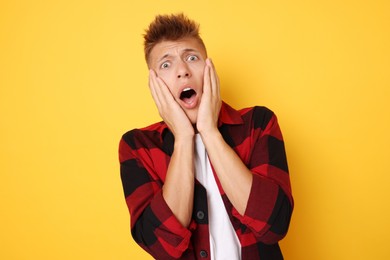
x=187, y=93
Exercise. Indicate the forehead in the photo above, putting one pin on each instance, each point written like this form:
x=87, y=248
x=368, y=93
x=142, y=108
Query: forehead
x=173, y=48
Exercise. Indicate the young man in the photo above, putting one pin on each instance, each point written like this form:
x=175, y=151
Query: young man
x=208, y=182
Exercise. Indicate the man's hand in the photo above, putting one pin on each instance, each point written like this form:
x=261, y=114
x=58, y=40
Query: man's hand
x=210, y=104
x=234, y=176
x=178, y=188
x=170, y=111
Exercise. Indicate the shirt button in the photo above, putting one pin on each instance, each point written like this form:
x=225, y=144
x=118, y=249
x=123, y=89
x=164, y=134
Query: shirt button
x=200, y=214
x=203, y=253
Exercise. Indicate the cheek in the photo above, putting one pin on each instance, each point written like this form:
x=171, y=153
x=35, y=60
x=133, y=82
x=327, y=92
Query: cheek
x=166, y=77
x=199, y=70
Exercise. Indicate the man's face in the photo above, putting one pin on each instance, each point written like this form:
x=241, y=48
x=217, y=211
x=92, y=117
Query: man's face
x=180, y=64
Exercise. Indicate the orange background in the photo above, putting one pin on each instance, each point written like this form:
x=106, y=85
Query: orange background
x=73, y=80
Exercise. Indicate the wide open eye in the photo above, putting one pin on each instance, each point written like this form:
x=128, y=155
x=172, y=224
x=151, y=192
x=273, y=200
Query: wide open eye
x=192, y=58
x=165, y=65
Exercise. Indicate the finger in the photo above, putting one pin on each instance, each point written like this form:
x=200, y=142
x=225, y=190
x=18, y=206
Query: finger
x=214, y=79
x=206, y=79
x=164, y=91
x=153, y=86
x=218, y=82
x=161, y=89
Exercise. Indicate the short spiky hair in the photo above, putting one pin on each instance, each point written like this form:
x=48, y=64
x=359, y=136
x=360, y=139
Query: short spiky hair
x=170, y=28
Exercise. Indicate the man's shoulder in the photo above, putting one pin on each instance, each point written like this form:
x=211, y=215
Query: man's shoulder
x=157, y=127
x=257, y=110
x=152, y=131
x=256, y=116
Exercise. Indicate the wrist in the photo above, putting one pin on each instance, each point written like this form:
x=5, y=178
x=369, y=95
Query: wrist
x=212, y=133
x=183, y=134
x=184, y=139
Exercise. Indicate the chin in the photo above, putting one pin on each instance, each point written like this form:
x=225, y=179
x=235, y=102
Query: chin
x=193, y=117
x=193, y=121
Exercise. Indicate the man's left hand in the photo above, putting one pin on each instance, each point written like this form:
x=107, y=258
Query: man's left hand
x=211, y=102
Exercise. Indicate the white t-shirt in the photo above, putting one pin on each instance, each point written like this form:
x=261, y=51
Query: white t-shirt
x=224, y=243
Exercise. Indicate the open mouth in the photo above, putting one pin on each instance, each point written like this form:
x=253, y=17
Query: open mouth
x=188, y=95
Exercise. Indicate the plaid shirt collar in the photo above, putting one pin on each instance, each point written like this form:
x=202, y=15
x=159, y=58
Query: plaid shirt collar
x=227, y=116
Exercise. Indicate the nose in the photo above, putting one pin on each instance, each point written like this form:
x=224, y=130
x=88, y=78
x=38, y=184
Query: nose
x=183, y=70
x=186, y=75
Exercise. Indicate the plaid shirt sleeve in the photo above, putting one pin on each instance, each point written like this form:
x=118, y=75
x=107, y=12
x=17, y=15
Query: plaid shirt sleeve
x=153, y=225
x=270, y=202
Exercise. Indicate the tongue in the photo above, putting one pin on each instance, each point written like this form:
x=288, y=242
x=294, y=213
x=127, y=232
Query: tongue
x=188, y=96
x=188, y=100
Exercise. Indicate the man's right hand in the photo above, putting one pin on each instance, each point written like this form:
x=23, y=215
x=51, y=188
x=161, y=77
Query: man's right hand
x=178, y=188
x=170, y=111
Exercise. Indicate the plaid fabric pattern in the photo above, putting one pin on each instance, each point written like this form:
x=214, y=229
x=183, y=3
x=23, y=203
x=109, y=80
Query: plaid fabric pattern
x=255, y=136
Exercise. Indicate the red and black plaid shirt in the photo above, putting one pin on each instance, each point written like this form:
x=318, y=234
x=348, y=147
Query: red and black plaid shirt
x=255, y=136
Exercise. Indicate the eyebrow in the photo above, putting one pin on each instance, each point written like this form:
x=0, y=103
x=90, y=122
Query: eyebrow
x=163, y=57
x=190, y=50
x=184, y=51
